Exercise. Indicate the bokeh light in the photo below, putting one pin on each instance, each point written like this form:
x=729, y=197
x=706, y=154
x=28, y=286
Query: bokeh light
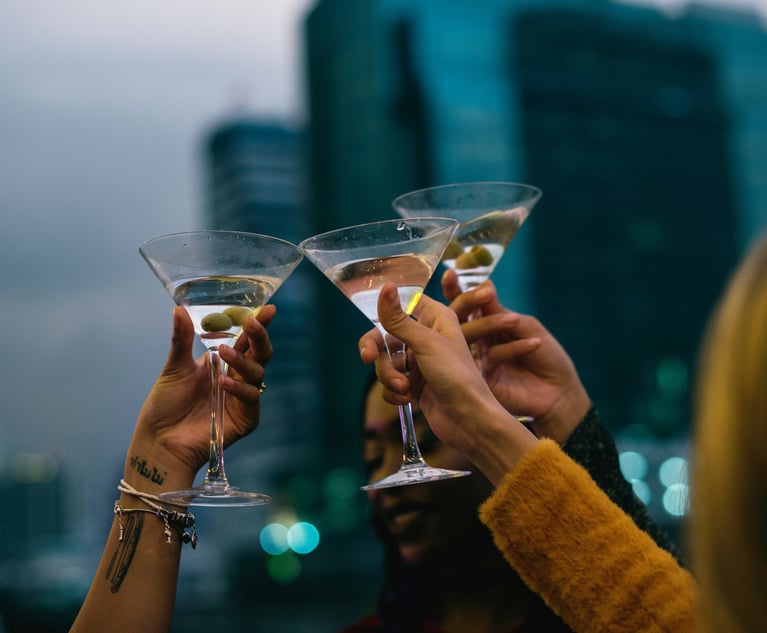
x=642, y=490
x=35, y=468
x=673, y=471
x=285, y=568
x=303, y=537
x=274, y=539
x=342, y=483
x=672, y=376
x=633, y=465
x=675, y=499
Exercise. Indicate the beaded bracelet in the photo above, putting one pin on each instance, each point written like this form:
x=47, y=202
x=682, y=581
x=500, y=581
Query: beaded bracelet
x=179, y=521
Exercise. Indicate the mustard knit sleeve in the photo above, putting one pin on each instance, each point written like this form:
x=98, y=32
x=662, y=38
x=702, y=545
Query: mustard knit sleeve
x=582, y=554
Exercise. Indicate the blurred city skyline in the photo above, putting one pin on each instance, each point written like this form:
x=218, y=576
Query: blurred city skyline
x=104, y=110
x=103, y=113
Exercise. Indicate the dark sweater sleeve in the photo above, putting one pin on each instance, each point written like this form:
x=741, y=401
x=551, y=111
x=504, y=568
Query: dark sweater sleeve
x=592, y=446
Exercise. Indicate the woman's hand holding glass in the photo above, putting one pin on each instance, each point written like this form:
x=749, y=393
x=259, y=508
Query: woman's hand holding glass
x=444, y=377
x=170, y=444
x=172, y=436
x=525, y=366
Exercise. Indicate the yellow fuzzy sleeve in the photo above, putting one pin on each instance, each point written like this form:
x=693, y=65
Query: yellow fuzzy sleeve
x=581, y=553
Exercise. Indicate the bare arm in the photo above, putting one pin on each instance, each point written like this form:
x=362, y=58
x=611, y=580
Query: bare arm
x=134, y=587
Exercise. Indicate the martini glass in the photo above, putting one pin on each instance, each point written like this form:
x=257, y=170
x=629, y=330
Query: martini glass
x=490, y=214
x=359, y=260
x=220, y=277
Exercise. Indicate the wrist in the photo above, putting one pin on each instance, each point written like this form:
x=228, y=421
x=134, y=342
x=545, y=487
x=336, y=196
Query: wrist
x=154, y=471
x=172, y=518
x=498, y=442
x=563, y=418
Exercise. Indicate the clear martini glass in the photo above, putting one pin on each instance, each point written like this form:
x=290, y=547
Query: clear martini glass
x=220, y=277
x=359, y=260
x=490, y=214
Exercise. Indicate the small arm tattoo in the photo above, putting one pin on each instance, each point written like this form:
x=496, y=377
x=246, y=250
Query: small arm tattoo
x=152, y=474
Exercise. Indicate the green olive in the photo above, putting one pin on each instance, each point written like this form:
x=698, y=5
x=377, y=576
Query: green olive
x=238, y=314
x=453, y=250
x=216, y=322
x=465, y=260
x=481, y=255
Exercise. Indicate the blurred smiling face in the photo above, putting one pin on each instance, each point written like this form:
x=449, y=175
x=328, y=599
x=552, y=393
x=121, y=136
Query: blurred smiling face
x=428, y=520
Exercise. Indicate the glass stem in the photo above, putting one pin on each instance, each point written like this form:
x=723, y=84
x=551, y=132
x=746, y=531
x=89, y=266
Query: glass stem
x=478, y=348
x=216, y=475
x=411, y=454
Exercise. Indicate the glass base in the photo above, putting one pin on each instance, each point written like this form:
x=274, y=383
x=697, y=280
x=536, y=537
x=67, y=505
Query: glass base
x=215, y=496
x=415, y=474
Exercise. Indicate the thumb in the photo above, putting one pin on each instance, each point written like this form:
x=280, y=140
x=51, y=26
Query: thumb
x=390, y=313
x=181, y=342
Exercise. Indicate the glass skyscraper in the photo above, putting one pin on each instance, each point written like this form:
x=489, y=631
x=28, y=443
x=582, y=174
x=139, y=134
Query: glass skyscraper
x=255, y=173
x=636, y=125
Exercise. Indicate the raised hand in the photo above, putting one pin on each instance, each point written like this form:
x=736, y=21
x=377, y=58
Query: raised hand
x=453, y=396
x=172, y=435
x=525, y=366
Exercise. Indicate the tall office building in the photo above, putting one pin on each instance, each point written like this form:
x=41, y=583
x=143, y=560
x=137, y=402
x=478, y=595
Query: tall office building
x=626, y=130
x=34, y=486
x=256, y=181
x=44, y=575
x=255, y=173
x=403, y=94
x=738, y=37
x=623, y=116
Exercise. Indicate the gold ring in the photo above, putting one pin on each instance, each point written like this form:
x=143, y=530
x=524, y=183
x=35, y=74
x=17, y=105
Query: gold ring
x=262, y=388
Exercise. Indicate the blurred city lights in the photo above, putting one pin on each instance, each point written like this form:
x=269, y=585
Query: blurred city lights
x=35, y=468
x=675, y=499
x=642, y=490
x=633, y=465
x=672, y=376
x=285, y=568
x=274, y=539
x=342, y=483
x=303, y=537
x=673, y=471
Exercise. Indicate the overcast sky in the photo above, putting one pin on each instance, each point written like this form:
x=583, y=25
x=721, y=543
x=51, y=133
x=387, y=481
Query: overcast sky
x=103, y=106
x=102, y=109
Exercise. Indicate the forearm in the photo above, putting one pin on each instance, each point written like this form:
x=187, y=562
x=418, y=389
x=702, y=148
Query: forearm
x=496, y=445
x=134, y=587
x=582, y=553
